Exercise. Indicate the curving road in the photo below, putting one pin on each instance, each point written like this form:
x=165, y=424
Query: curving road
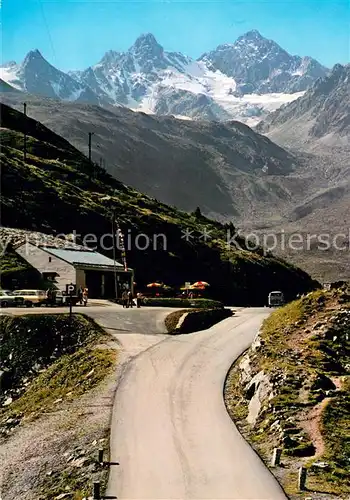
x=170, y=429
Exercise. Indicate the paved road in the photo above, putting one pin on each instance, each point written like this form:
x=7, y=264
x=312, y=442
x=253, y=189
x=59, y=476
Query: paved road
x=170, y=429
x=112, y=317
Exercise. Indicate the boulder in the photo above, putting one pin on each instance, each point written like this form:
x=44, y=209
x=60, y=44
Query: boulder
x=322, y=382
x=258, y=391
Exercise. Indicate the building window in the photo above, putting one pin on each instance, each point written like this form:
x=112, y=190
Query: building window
x=50, y=259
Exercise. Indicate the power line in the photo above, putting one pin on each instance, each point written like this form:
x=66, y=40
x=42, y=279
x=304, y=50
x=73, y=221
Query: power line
x=48, y=30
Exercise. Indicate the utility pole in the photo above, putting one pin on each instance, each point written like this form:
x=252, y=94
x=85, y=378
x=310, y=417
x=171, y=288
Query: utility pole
x=90, y=135
x=25, y=133
x=114, y=233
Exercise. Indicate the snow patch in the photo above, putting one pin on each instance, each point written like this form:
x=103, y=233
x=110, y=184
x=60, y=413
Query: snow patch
x=10, y=76
x=75, y=95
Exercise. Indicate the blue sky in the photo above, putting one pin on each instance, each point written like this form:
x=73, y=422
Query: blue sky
x=73, y=34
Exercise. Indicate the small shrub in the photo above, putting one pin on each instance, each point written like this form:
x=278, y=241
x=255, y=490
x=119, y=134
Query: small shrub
x=185, y=303
x=196, y=320
x=172, y=320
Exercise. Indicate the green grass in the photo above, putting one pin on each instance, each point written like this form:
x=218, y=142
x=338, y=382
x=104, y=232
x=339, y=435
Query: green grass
x=236, y=405
x=29, y=340
x=179, y=302
x=68, y=378
x=288, y=316
x=336, y=431
x=72, y=362
x=65, y=482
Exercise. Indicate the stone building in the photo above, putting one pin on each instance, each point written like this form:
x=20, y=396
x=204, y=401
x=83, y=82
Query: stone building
x=80, y=266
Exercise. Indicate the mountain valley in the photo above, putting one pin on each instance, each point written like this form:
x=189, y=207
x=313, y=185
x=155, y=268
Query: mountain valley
x=299, y=183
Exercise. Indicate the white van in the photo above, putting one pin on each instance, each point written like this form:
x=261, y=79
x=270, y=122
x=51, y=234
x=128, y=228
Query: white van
x=275, y=299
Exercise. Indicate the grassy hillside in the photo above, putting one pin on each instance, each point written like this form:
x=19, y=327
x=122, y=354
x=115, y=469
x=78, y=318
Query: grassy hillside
x=292, y=390
x=57, y=190
x=26, y=351
x=52, y=367
x=236, y=172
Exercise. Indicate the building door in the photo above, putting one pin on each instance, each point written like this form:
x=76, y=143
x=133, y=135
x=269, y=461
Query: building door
x=94, y=284
x=109, y=286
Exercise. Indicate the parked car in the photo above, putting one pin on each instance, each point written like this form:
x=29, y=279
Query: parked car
x=275, y=299
x=31, y=297
x=8, y=299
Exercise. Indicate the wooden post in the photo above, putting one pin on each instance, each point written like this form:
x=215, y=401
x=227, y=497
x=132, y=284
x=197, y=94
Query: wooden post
x=90, y=135
x=97, y=490
x=302, y=479
x=276, y=457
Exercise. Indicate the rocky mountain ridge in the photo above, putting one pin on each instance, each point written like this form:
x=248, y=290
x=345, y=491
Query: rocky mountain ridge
x=261, y=65
x=244, y=80
x=321, y=117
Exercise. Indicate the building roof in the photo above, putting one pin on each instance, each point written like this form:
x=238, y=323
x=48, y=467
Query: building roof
x=83, y=257
x=19, y=237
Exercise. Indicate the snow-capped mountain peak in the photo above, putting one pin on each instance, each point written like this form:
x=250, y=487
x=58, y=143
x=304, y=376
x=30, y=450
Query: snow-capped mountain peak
x=240, y=80
x=261, y=65
x=252, y=35
x=146, y=45
x=37, y=76
x=34, y=57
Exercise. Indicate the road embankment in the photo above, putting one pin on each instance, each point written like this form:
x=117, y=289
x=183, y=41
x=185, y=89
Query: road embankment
x=291, y=391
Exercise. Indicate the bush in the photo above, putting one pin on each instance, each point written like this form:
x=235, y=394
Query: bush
x=195, y=320
x=172, y=320
x=185, y=303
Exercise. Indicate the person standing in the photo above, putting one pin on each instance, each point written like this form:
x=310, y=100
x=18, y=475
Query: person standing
x=85, y=296
x=130, y=299
x=80, y=295
x=49, y=297
x=125, y=299
x=138, y=299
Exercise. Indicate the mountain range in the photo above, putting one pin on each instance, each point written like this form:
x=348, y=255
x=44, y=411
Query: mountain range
x=244, y=80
